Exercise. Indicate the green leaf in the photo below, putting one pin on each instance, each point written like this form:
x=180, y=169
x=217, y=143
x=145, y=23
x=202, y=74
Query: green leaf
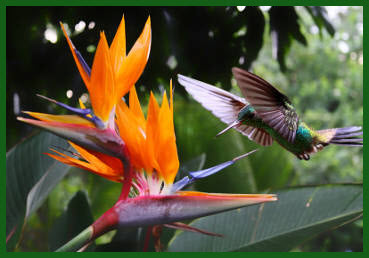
x=128, y=240
x=30, y=176
x=133, y=240
x=284, y=27
x=319, y=15
x=76, y=218
x=299, y=214
x=253, y=40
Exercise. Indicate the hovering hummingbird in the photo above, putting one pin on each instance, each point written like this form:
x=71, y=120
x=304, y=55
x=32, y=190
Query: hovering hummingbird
x=265, y=114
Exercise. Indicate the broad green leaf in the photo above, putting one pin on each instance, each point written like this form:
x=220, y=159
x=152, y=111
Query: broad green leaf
x=30, y=176
x=299, y=214
x=76, y=218
x=125, y=240
x=42, y=189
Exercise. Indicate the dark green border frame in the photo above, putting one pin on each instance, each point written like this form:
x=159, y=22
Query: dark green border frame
x=4, y=3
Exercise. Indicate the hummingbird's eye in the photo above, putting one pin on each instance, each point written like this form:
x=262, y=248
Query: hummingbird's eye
x=250, y=115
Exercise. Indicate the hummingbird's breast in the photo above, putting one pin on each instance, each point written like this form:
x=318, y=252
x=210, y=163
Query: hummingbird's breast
x=303, y=143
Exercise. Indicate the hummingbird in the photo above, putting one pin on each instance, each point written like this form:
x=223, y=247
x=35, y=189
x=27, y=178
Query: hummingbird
x=265, y=114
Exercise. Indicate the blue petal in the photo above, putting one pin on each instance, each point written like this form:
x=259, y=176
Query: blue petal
x=182, y=183
x=217, y=168
x=79, y=111
x=83, y=62
x=199, y=174
x=205, y=172
x=210, y=171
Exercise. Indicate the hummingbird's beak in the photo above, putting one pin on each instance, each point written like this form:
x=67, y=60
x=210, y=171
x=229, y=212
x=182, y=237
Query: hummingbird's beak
x=228, y=127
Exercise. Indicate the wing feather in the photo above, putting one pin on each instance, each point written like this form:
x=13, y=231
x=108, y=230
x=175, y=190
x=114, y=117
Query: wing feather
x=221, y=103
x=225, y=106
x=272, y=106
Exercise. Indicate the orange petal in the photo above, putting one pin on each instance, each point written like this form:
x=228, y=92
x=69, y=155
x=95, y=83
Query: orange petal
x=118, y=46
x=102, y=87
x=133, y=65
x=171, y=97
x=70, y=119
x=83, y=106
x=103, y=163
x=132, y=134
x=152, y=132
x=166, y=149
x=71, y=161
x=106, y=173
x=85, y=76
x=135, y=107
x=262, y=197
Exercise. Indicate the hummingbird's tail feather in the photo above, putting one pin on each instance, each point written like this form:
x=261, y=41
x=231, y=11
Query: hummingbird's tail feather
x=235, y=123
x=347, y=136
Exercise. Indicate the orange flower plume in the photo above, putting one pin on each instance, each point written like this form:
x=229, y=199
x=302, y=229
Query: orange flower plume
x=113, y=73
x=151, y=142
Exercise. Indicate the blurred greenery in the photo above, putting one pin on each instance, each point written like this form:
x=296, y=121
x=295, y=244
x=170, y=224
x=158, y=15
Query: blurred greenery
x=323, y=79
x=76, y=218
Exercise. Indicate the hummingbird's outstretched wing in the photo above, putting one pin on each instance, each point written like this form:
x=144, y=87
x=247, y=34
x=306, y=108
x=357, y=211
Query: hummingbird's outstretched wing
x=271, y=105
x=223, y=105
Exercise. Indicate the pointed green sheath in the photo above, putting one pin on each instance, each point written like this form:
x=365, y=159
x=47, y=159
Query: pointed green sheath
x=161, y=209
x=90, y=137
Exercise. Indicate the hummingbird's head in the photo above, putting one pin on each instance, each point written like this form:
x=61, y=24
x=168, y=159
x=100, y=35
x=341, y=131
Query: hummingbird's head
x=246, y=113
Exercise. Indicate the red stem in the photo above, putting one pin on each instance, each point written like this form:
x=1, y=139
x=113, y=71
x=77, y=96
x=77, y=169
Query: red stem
x=147, y=239
x=11, y=234
x=108, y=221
x=127, y=183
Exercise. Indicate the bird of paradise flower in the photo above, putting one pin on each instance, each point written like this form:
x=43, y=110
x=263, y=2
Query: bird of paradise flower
x=115, y=140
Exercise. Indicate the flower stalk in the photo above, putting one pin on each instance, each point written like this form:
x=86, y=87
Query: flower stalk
x=78, y=241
